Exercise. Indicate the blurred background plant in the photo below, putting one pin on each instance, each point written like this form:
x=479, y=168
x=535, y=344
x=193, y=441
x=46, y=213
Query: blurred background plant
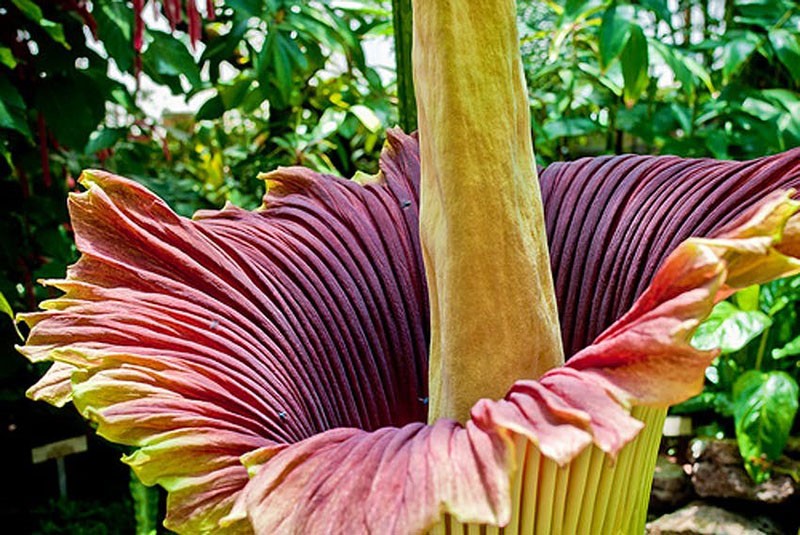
x=195, y=99
x=714, y=78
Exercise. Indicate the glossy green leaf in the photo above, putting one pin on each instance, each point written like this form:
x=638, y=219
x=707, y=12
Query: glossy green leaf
x=635, y=63
x=580, y=9
x=765, y=405
x=686, y=70
x=275, y=71
x=114, y=27
x=71, y=124
x=615, y=30
x=575, y=126
x=12, y=109
x=367, y=117
x=736, y=51
x=233, y=94
x=34, y=13
x=168, y=57
x=787, y=47
x=730, y=328
x=211, y=109
x=105, y=138
x=6, y=309
x=7, y=57
x=251, y=8
x=660, y=8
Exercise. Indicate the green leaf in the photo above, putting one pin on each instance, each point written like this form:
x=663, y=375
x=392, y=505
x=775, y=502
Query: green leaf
x=6, y=309
x=660, y=8
x=635, y=62
x=748, y=298
x=34, y=13
x=580, y=9
x=167, y=56
x=367, y=117
x=7, y=57
x=736, y=52
x=787, y=47
x=114, y=27
x=730, y=328
x=765, y=405
x=105, y=138
x=251, y=8
x=73, y=107
x=282, y=68
x=211, y=109
x=570, y=127
x=233, y=94
x=12, y=109
x=615, y=30
x=685, y=69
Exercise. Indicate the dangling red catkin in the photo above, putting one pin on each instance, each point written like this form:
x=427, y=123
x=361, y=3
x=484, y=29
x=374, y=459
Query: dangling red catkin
x=194, y=21
x=173, y=11
x=210, y=9
x=138, y=32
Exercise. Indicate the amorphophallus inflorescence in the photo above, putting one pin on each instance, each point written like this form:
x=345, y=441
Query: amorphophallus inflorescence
x=273, y=368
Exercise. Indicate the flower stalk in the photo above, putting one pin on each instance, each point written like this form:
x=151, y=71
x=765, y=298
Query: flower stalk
x=493, y=310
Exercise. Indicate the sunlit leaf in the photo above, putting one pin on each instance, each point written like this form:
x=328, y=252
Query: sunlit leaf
x=730, y=328
x=168, y=57
x=34, y=13
x=635, y=63
x=114, y=27
x=615, y=30
x=7, y=57
x=787, y=47
x=367, y=117
x=105, y=138
x=736, y=51
x=765, y=405
x=6, y=309
x=576, y=126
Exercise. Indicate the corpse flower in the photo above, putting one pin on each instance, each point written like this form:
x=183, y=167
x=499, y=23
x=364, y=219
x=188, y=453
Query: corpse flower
x=273, y=368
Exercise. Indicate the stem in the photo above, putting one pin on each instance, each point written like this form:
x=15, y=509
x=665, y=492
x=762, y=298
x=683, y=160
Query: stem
x=402, y=20
x=762, y=346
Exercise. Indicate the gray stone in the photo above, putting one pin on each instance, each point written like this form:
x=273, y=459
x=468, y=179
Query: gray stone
x=711, y=480
x=671, y=485
x=698, y=518
x=715, y=451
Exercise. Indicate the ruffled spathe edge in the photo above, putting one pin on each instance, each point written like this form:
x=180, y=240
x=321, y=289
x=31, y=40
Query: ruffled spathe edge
x=401, y=481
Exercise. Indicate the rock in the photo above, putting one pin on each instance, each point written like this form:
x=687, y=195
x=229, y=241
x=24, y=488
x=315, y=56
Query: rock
x=698, y=518
x=711, y=480
x=671, y=485
x=715, y=451
x=718, y=472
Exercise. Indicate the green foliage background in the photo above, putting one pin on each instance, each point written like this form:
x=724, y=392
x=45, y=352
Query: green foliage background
x=287, y=82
